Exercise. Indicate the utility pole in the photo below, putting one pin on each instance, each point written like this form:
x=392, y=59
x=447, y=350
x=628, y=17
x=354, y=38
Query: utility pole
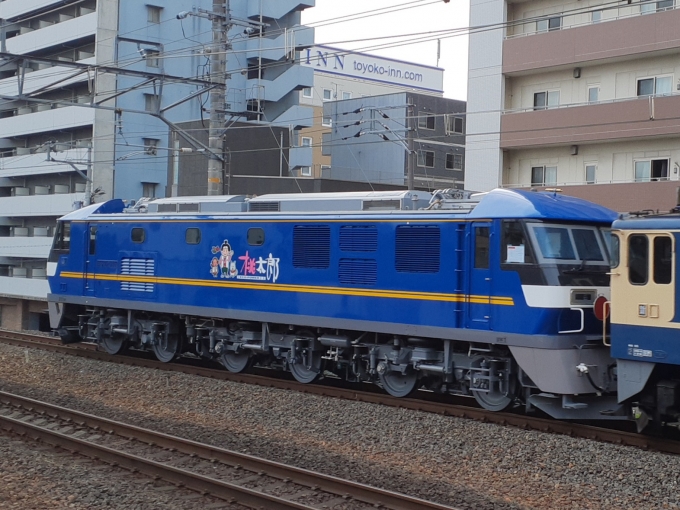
x=411, y=152
x=221, y=17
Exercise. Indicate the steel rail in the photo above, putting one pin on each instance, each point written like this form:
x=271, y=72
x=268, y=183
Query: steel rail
x=224, y=490
x=417, y=404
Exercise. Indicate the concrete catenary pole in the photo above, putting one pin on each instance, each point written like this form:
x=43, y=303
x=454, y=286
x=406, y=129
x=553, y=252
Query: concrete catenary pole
x=218, y=67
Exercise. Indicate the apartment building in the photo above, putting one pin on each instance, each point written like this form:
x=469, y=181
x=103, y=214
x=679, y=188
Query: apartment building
x=340, y=75
x=582, y=95
x=88, y=90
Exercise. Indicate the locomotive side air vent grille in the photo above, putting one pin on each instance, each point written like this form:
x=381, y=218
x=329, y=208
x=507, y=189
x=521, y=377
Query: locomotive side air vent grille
x=187, y=207
x=167, y=207
x=359, y=238
x=137, y=267
x=312, y=246
x=264, y=206
x=418, y=249
x=358, y=271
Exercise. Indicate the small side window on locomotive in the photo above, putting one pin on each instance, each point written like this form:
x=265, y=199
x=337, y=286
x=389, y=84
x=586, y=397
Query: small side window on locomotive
x=638, y=259
x=138, y=235
x=93, y=241
x=255, y=236
x=482, y=235
x=663, y=258
x=614, y=250
x=62, y=240
x=193, y=236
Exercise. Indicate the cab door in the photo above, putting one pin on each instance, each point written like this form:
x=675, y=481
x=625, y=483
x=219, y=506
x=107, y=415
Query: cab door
x=479, y=296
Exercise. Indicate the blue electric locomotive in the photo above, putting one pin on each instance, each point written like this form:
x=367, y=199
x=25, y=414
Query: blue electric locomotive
x=645, y=315
x=490, y=295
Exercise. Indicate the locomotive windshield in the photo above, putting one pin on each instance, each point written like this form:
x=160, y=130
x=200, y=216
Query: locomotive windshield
x=569, y=244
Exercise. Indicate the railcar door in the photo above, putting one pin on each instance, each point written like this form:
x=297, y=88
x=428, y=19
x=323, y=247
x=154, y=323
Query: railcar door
x=90, y=260
x=479, y=294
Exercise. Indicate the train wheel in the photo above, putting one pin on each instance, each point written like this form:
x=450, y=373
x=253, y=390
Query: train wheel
x=398, y=384
x=307, y=368
x=235, y=361
x=113, y=343
x=167, y=348
x=491, y=396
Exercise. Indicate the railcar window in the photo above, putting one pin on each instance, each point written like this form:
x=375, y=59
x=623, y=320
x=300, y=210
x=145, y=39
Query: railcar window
x=193, y=236
x=138, y=235
x=62, y=240
x=482, y=247
x=663, y=257
x=638, y=259
x=614, y=250
x=255, y=236
x=93, y=240
x=554, y=243
x=586, y=244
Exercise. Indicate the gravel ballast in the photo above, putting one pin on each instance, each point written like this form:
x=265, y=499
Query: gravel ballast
x=453, y=461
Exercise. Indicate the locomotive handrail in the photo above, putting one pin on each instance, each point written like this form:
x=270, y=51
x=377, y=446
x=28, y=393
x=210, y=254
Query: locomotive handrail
x=582, y=322
x=607, y=304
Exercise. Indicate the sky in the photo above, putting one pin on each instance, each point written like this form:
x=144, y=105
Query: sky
x=398, y=17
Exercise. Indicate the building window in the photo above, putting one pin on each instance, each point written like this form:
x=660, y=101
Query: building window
x=543, y=175
x=149, y=189
x=547, y=99
x=426, y=159
x=307, y=92
x=648, y=7
x=152, y=58
x=591, y=170
x=306, y=141
x=150, y=146
x=454, y=161
x=651, y=170
x=347, y=95
x=153, y=13
x=151, y=102
x=327, y=94
x=596, y=16
x=426, y=120
x=326, y=121
x=453, y=124
x=549, y=24
x=306, y=171
x=656, y=85
x=325, y=169
x=593, y=93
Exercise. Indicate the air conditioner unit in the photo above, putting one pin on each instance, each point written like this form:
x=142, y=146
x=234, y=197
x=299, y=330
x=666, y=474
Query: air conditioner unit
x=41, y=231
x=18, y=272
x=23, y=151
x=18, y=231
x=20, y=191
x=42, y=190
x=79, y=187
x=60, y=189
x=39, y=273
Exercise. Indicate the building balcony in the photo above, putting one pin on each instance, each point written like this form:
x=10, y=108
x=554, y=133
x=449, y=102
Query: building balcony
x=54, y=35
x=276, y=9
x=25, y=247
x=299, y=157
x=13, y=8
x=44, y=78
x=644, y=117
x=67, y=117
x=39, y=205
x=37, y=164
x=24, y=288
x=633, y=37
x=296, y=116
x=276, y=49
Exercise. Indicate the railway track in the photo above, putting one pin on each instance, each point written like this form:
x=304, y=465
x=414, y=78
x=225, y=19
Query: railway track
x=426, y=403
x=212, y=471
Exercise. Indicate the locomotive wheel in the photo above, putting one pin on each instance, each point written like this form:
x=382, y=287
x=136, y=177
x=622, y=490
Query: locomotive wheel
x=494, y=399
x=113, y=343
x=306, y=371
x=167, y=348
x=398, y=384
x=235, y=361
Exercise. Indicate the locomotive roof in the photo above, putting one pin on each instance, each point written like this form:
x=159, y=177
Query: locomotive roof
x=498, y=203
x=669, y=221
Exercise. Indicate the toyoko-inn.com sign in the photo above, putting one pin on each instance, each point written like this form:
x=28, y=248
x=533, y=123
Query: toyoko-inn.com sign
x=368, y=67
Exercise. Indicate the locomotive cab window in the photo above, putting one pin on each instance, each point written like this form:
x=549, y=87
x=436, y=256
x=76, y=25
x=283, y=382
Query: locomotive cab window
x=482, y=235
x=62, y=240
x=614, y=250
x=663, y=260
x=255, y=236
x=138, y=235
x=193, y=236
x=515, y=247
x=638, y=259
x=93, y=241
